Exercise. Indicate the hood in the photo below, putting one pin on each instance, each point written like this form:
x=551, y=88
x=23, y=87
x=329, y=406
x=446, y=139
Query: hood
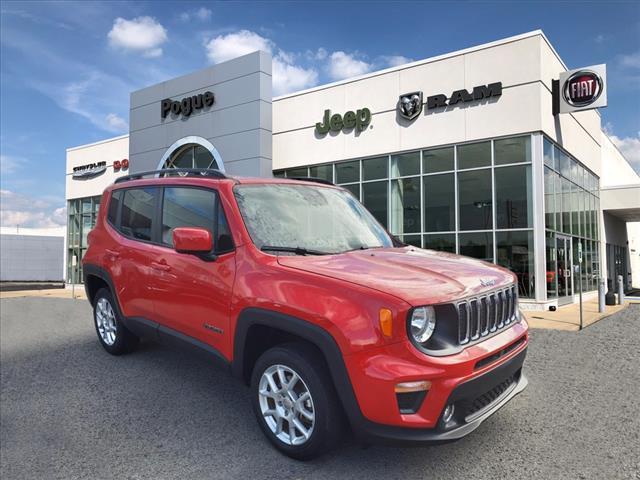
x=419, y=277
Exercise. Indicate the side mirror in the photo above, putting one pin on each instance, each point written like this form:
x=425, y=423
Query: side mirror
x=192, y=240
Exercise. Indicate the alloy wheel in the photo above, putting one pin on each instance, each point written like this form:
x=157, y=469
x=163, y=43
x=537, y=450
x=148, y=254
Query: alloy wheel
x=286, y=405
x=106, y=321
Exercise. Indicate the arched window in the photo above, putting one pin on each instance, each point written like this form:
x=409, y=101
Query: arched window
x=191, y=155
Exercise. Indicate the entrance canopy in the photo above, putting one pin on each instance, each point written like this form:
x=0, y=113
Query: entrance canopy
x=622, y=201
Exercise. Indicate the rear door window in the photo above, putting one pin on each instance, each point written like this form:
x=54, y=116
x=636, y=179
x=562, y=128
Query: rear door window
x=138, y=209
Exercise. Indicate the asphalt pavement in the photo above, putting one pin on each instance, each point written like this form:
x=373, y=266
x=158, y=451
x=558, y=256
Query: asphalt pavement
x=70, y=410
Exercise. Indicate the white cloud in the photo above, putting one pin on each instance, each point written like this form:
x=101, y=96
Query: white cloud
x=600, y=38
x=289, y=78
x=10, y=164
x=25, y=211
x=84, y=98
x=203, y=14
x=116, y=122
x=319, y=54
x=628, y=146
x=142, y=34
x=395, y=60
x=631, y=60
x=287, y=75
x=344, y=65
x=236, y=44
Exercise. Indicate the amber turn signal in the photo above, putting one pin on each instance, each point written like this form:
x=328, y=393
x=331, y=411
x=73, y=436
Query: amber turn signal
x=408, y=387
x=386, y=321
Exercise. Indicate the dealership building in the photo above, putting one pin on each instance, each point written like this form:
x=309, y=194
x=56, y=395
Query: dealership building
x=467, y=152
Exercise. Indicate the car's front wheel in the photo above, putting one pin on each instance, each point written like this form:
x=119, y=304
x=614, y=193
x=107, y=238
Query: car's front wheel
x=295, y=402
x=113, y=335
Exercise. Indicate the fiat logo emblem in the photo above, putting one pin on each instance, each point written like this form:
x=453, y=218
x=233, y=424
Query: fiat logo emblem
x=582, y=88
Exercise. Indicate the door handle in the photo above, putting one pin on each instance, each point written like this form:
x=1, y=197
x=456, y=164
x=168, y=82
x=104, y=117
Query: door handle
x=163, y=267
x=112, y=253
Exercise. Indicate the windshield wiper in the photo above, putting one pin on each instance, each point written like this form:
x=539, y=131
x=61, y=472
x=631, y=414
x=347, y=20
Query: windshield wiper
x=296, y=250
x=363, y=247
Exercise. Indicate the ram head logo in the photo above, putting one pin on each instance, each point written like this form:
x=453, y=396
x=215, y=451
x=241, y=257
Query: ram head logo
x=410, y=105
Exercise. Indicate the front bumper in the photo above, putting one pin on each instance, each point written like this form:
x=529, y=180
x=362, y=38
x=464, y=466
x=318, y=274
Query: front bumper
x=507, y=379
x=478, y=381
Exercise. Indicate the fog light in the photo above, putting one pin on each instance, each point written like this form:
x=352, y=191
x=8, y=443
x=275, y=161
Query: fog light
x=448, y=413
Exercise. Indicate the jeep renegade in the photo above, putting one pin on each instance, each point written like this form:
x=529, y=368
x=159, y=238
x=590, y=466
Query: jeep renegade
x=302, y=294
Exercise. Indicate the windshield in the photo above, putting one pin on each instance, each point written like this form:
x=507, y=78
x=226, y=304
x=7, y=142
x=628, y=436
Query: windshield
x=317, y=219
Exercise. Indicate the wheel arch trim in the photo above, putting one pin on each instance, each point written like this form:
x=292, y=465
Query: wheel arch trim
x=314, y=334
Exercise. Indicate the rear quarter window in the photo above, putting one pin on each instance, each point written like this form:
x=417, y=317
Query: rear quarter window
x=114, y=205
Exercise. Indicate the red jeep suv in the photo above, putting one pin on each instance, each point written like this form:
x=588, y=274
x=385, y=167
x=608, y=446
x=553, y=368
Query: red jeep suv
x=296, y=288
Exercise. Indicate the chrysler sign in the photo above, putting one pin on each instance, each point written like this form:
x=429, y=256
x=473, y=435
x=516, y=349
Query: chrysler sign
x=581, y=89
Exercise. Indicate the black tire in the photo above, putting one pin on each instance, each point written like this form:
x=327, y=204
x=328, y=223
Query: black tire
x=125, y=341
x=309, y=366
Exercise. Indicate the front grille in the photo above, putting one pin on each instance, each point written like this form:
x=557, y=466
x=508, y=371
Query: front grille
x=479, y=316
x=488, y=398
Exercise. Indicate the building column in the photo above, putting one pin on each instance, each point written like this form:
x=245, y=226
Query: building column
x=539, y=240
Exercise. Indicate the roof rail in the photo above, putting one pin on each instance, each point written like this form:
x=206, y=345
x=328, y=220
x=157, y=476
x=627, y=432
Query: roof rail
x=183, y=172
x=312, y=179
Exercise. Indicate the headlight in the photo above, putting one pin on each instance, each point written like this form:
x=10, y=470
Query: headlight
x=423, y=323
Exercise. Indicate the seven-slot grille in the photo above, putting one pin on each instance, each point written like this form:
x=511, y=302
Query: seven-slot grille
x=479, y=316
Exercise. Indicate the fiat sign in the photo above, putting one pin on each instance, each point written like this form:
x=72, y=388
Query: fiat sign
x=583, y=89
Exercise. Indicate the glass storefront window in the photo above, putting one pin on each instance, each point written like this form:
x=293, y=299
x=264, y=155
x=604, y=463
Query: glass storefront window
x=445, y=242
x=82, y=215
x=474, y=155
x=474, y=200
x=547, y=152
x=348, y=172
x=297, y=172
x=513, y=197
x=477, y=245
x=438, y=160
x=322, y=171
x=514, y=250
x=563, y=163
x=411, y=240
x=374, y=197
x=549, y=199
x=566, y=206
x=375, y=168
x=405, y=205
x=353, y=188
x=575, y=209
x=405, y=164
x=512, y=150
x=439, y=203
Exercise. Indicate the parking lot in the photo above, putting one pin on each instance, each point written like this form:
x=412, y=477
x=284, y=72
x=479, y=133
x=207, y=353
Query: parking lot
x=70, y=410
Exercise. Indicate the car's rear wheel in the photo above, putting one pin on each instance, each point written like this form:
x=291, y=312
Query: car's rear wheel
x=113, y=335
x=295, y=402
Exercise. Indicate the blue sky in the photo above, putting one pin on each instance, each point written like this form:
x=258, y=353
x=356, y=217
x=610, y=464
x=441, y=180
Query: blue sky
x=67, y=68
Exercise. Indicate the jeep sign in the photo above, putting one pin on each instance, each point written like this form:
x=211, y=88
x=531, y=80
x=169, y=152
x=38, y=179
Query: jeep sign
x=583, y=89
x=358, y=120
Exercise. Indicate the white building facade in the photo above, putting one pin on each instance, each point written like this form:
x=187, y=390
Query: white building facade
x=460, y=152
